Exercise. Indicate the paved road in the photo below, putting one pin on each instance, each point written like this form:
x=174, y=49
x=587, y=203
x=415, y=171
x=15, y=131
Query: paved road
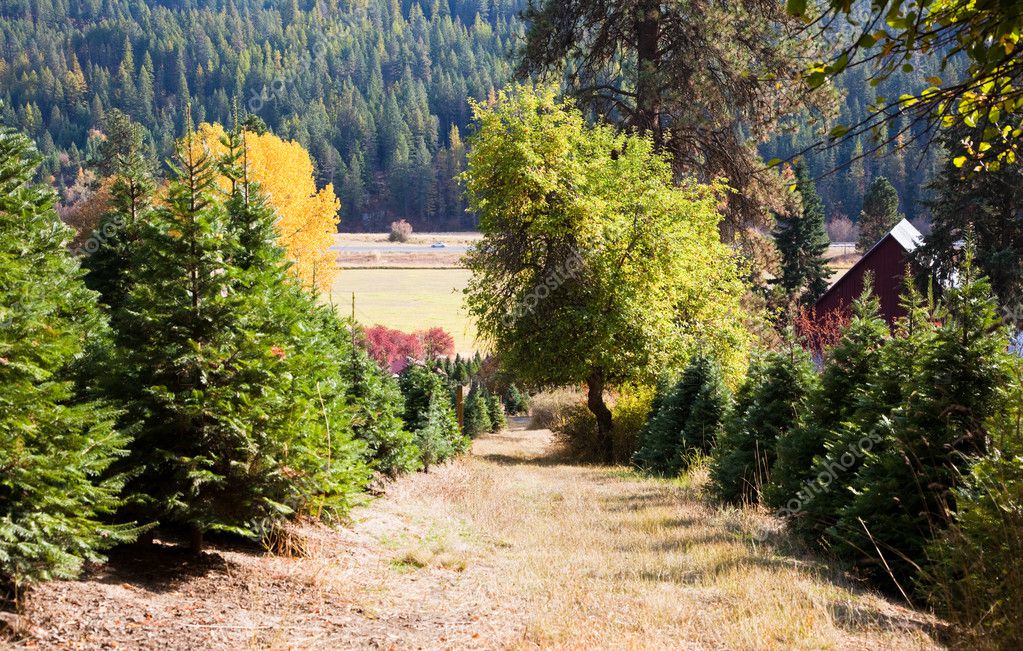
x=398, y=248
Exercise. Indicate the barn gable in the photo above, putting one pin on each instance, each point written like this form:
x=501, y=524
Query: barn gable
x=886, y=261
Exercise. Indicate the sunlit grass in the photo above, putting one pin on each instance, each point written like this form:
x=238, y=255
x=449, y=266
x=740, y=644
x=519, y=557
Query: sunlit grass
x=408, y=299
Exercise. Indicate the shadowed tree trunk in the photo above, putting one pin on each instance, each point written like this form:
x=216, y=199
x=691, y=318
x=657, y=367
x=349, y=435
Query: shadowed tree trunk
x=595, y=402
x=648, y=64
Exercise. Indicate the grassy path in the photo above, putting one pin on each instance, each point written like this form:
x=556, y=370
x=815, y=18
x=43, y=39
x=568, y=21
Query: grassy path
x=507, y=548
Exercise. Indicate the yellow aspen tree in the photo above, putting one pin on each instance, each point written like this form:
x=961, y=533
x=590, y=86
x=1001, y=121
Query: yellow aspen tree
x=307, y=216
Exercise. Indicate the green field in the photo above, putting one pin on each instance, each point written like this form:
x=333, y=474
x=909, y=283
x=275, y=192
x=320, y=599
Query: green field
x=408, y=299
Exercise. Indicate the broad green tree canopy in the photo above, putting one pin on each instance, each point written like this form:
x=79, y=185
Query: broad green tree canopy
x=594, y=265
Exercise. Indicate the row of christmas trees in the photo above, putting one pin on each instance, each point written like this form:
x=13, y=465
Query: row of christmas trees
x=900, y=453
x=179, y=374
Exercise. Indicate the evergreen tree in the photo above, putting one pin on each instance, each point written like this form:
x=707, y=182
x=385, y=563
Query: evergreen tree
x=56, y=445
x=112, y=245
x=803, y=242
x=985, y=208
x=767, y=406
x=903, y=492
x=847, y=369
x=684, y=420
x=516, y=402
x=237, y=398
x=496, y=410
x=864, y=423
x=477, y=412
x=430, y=415
x=880, y=213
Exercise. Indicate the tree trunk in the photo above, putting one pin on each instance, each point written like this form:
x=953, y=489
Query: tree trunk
x=595, y=402
x=195, y=542
x=648, y=64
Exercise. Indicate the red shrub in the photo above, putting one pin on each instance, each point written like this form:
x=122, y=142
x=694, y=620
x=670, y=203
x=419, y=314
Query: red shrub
x=820, y=332
x=436, y=342
x=392, y=348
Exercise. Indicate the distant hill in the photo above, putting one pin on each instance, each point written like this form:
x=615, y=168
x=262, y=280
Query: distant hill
x=375, y=89
x=372, y=88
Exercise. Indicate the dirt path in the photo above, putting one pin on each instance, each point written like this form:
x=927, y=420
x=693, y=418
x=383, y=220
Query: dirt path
x=505, y=548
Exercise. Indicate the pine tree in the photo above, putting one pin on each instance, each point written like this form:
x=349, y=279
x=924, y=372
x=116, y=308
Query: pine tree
x=496, y=411
x=112, y=245
x=685, y=420
x=516, y=402
x=880, y=213
x=803, y=242
x=56, y=445
x=847, y=369
x=477, y=412
x=430, y=415
x=903, y=492
x=228, y=368
x=864, y=423
x=767, y=406
x=985, y=208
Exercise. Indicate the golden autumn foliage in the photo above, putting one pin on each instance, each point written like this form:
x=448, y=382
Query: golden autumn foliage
x=308, y=217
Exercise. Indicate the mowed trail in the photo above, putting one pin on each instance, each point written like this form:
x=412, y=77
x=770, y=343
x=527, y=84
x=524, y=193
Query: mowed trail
x=509, y=547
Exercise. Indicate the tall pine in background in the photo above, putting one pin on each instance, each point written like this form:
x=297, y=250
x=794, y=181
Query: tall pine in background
x=803, y=242
x=880, y=213
x=56, y=446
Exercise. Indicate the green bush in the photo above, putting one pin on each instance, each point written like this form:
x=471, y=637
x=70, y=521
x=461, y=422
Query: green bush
x=686, y=421
x=56, y=446
x=767, y=406
x=564, y=412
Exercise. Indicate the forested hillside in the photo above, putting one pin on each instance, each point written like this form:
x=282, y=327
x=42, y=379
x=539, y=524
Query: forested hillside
x=376, y=91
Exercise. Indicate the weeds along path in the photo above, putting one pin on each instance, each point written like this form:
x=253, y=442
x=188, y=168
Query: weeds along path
x=506, y=548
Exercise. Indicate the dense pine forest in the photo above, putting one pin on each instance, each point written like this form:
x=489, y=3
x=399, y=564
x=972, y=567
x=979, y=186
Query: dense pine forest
x=375, y=90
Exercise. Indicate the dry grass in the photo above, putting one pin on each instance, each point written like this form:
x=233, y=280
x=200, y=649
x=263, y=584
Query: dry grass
x=512, y=548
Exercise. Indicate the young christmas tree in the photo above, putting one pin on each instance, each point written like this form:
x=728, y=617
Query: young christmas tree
x=903, y=492
x=496, y=408
x=767, y=406
x=802, y=241
x=862, y=430
x=430, y=415
x=477, y=412
x=684, y=421
x=847, y=368
x=110, y=249
x=56, y=446
x=242, y=417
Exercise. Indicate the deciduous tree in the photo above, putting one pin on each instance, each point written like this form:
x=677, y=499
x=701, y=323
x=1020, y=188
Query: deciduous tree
x=594, y=267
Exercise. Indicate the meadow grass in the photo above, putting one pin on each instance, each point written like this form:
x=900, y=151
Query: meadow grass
x=408, y=299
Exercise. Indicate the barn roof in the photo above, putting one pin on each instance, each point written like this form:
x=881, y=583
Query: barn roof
x=908, y=237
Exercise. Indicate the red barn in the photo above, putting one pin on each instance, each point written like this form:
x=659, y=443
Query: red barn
x=887, y=261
